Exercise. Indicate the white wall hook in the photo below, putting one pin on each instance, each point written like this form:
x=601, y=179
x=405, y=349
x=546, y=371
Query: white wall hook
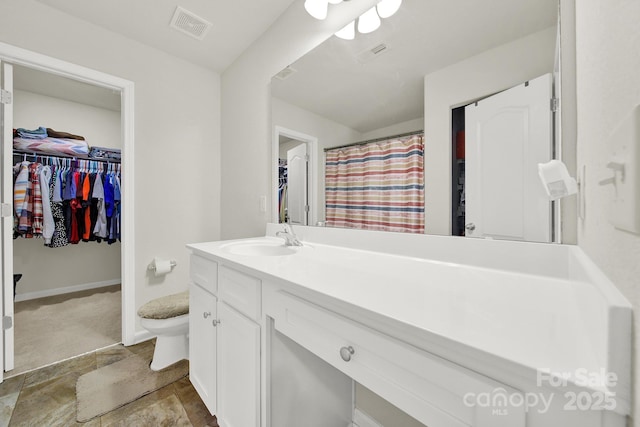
x=617, y=166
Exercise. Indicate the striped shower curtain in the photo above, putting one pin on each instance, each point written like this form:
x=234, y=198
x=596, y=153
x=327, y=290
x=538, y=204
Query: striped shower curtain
x=377, y=186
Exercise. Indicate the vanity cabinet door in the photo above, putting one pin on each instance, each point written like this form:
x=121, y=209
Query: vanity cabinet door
x=202, y=344
x=238, y=369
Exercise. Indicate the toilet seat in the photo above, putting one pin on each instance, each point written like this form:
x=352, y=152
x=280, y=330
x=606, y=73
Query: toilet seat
x=166, y=307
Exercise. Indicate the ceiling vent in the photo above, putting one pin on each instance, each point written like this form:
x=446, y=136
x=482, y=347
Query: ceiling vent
x=285, y=73
x=370, y=54
x=189, y=23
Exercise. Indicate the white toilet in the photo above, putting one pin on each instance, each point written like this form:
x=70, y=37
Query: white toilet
x=167, y=318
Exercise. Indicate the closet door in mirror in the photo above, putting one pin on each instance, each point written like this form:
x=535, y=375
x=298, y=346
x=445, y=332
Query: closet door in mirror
x=507, y=135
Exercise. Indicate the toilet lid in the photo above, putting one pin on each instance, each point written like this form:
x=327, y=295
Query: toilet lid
x=166, y=307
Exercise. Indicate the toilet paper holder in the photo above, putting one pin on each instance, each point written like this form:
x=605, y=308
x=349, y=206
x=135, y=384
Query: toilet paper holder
x=153, y=265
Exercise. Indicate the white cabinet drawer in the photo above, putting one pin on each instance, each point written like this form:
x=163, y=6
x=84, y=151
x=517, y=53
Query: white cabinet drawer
x=433, y=390
x=204, y=272
x=240, y=291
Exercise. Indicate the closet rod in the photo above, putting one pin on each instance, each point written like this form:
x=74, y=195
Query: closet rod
x=402, y=135
x=62, y=156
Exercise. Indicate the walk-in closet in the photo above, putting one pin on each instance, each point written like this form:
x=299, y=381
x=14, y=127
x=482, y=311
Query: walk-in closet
x=68, y=278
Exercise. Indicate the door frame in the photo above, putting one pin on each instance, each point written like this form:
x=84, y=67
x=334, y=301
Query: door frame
x=7, y=350
x=37, y=61
x=312, y=184
x=293, y=152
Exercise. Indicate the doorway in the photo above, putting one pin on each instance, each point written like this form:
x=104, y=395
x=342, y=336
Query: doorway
x=295, y=182
x=11, y=57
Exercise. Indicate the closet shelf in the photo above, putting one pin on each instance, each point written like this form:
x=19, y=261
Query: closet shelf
x=33, y=154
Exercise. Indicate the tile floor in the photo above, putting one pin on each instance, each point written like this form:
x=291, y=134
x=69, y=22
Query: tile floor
x=47, y=397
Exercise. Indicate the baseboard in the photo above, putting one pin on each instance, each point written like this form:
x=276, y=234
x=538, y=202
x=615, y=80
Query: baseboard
x=66, y=290
x=362, y=419
x=142, y=336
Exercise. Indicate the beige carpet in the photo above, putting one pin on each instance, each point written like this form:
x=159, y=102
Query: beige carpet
x=55, y=328
x=115, y=385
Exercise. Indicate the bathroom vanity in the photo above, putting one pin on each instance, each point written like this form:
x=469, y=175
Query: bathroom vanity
x=453, y=331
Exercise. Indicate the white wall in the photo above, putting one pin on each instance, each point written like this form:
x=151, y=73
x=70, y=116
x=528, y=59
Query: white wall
x=459, y=84
x=177, y=133
x=45, y=268
x=328, y=132
x=608, y=87
x=398, y=128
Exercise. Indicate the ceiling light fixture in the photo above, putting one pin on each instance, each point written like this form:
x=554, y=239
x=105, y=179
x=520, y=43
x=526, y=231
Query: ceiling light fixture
x=387, y=8
x=366, y=23
x=348, y=32
x=317, y=8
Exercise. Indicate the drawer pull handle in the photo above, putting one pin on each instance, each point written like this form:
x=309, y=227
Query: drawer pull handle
x=215, y=322
x=346, y=353
x=206, y=314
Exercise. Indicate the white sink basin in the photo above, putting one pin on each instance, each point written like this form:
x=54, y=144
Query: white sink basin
x=259, y=248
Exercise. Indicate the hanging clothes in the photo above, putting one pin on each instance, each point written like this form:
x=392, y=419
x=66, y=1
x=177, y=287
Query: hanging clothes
x=37, y=218
x=67, y=202
x=59, y=237
x=100, y=228
x=20, y=192
x=48, y=224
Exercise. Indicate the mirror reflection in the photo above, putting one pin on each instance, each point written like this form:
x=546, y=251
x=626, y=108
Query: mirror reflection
x=347, y=97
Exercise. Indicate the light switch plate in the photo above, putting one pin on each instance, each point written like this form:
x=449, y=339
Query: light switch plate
x=625, y=207
x=263, y=204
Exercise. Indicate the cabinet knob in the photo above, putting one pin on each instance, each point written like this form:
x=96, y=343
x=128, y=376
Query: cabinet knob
x=346, y=353
x=206, y=314
x=470, y=226
x=215, y=322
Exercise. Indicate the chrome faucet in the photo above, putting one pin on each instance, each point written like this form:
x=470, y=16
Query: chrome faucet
x=290, y=238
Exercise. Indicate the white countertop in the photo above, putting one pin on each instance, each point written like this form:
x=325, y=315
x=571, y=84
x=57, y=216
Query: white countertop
x=527, y=320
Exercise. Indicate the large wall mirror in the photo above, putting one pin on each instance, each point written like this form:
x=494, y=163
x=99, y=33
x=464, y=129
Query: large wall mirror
x=390, y=83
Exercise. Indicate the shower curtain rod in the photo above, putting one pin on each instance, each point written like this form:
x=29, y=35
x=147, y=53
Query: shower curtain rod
x=402, y=135
x=22, y=153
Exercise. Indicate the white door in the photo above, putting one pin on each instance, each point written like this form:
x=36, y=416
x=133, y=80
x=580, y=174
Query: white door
x=6, y=352
x=238, y=369
x=507, y=135
x=202, y=344
x=297, y=185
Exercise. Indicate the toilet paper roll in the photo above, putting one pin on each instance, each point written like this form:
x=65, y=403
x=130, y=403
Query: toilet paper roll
x=162, y=267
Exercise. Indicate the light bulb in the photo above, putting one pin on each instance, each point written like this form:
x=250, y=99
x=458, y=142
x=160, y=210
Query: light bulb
x=369, y=21
x=335, y=1
x=317, y=8
x=348, y=32
x=387, y=8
